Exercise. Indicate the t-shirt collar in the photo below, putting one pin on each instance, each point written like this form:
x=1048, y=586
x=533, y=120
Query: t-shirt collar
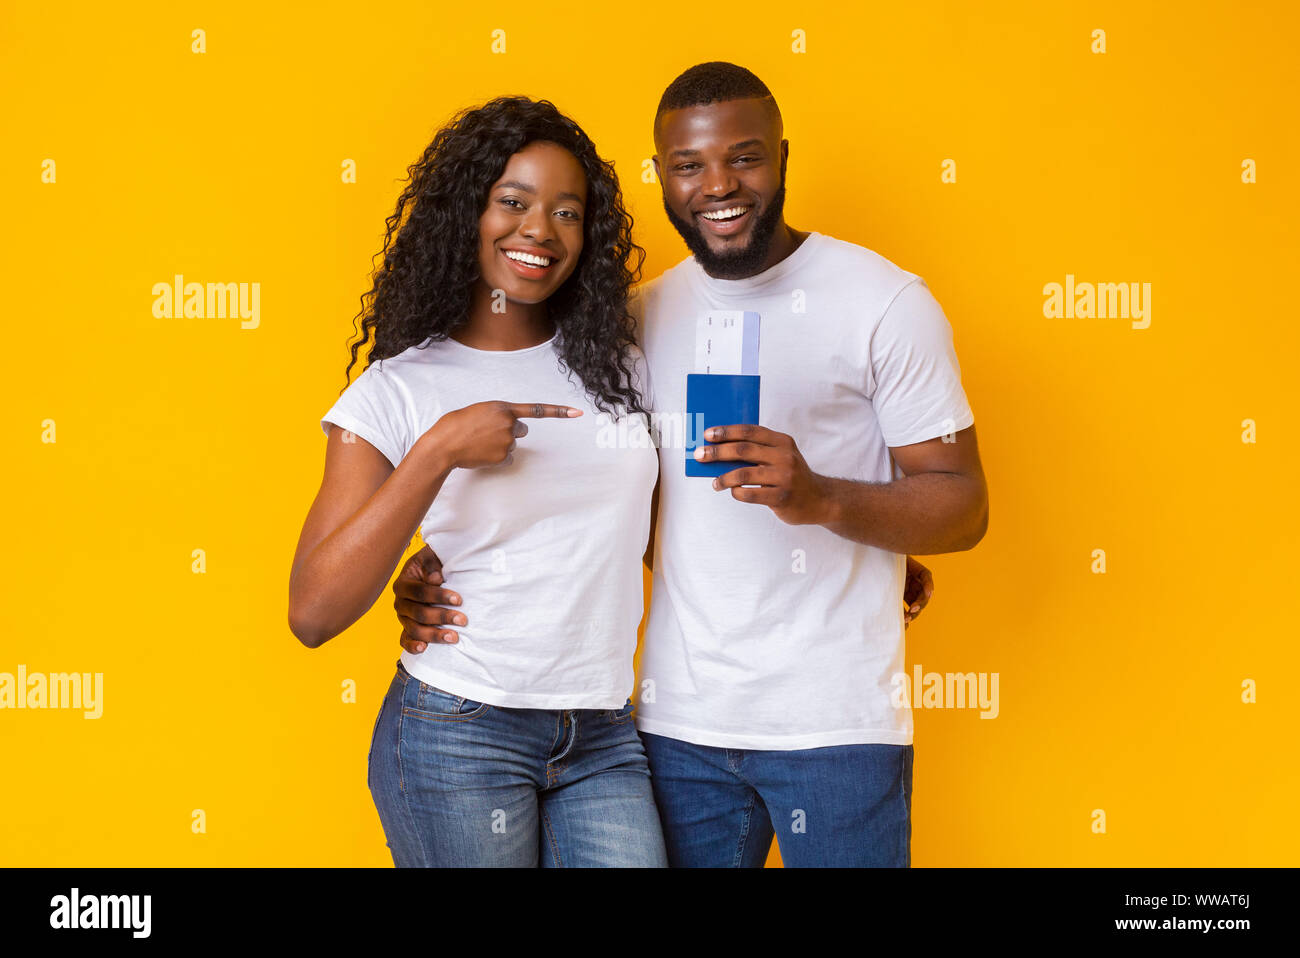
x=760, y=282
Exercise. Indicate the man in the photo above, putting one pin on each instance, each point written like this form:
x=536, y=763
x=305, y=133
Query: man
x=766, y=693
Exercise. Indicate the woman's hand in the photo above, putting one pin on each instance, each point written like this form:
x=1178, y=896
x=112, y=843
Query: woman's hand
x=484, y=434
x=917, y=589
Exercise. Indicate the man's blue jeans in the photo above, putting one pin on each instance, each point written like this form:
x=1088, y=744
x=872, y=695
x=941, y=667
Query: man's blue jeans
x=458, y=782
x=843, y=805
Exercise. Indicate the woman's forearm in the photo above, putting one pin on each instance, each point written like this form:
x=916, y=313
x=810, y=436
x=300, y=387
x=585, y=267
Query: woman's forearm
x=346, y=572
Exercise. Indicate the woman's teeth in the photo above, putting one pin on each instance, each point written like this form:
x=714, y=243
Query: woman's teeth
x=728, y=214
x=528, y=258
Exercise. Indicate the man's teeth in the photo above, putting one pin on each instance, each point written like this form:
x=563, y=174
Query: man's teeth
x=729, y=214
x=528, y=258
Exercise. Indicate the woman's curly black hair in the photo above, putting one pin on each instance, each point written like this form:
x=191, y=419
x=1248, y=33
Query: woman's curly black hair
x=424, y=287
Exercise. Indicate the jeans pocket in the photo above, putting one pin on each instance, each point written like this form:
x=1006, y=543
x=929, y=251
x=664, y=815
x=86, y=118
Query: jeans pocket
x=625, y=714
x=435, y=703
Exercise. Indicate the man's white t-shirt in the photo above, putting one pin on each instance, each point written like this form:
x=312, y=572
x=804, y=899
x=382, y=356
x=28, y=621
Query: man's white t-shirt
x=764, y=635
x=545, y=552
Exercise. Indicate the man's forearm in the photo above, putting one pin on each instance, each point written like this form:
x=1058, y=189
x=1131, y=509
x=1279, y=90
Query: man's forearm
x=925, y=514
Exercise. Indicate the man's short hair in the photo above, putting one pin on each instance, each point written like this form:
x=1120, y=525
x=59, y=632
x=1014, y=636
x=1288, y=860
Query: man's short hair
x=713, y=82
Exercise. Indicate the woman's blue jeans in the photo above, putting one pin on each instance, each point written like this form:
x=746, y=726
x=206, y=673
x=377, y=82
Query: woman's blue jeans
x=461, y=783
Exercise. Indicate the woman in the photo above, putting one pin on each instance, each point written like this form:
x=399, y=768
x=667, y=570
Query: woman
x=507, y=275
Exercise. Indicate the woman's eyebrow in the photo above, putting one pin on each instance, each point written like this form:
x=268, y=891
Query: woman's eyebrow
x=518, y=185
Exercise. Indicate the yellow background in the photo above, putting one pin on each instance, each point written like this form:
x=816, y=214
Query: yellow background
x=1119, y=691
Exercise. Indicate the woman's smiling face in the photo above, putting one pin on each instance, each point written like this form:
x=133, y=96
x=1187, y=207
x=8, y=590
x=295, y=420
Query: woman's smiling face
x=530, y=234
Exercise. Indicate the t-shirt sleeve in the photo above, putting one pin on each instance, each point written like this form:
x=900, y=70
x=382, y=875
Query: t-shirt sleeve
x=916, y=380
x=374, y=406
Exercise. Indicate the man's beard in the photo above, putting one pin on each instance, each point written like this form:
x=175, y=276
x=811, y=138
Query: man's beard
x=740, y=263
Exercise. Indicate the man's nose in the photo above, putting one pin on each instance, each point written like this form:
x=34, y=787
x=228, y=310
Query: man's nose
x=721, y=181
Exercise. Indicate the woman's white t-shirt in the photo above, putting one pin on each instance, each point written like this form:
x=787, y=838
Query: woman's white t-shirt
x=545, y=552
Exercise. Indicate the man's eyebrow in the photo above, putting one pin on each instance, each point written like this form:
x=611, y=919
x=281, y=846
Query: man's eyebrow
x=742, y=145
x=517, y=185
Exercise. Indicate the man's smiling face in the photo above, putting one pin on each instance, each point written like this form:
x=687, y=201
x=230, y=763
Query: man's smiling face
x=722, y=170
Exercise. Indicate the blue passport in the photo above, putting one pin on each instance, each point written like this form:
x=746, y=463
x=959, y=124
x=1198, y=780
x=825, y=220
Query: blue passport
x=717, y=399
